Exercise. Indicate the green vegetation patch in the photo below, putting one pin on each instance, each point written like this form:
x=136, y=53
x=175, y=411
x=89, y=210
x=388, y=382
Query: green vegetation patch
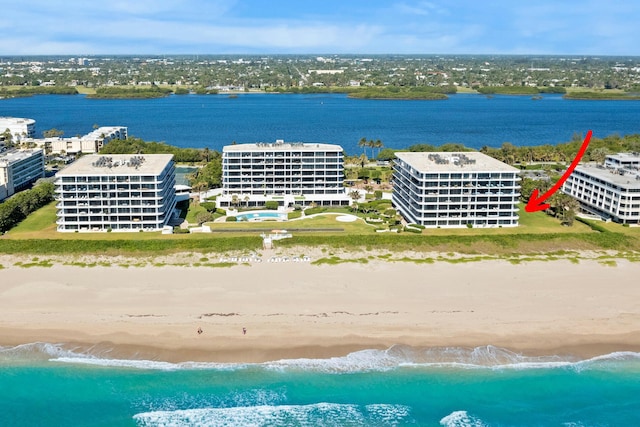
x=610, y=96
x=126, y=92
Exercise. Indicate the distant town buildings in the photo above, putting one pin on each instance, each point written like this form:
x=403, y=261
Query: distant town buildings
x=447, y=189
x=116, y=193
x=610, y=190
x=289, y=173
x=17, y=128
x=19, y=169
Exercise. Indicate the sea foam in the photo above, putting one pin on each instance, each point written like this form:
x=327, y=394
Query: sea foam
x=325, y=414
x=461, y=419
x=399, y=356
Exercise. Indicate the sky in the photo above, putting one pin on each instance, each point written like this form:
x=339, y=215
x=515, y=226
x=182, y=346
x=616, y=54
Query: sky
x=109, y=27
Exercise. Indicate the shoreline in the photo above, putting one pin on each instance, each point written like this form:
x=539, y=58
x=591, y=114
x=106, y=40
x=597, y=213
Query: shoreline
x=300, y=310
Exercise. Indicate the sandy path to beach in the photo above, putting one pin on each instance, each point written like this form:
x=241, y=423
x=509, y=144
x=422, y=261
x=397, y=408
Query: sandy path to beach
x=293, y=310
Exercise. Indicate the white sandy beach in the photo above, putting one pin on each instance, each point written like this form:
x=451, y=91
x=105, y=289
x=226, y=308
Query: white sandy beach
x=293, y=310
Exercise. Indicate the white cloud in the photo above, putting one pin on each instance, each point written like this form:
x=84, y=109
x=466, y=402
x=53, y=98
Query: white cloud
x=357, y=26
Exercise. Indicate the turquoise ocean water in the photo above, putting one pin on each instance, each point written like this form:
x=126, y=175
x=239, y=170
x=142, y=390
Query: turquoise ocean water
x=44, y=384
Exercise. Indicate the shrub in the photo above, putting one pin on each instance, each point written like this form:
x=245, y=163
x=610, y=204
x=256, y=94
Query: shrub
x=312, y=211
x=378, y=194
x=209, y=206
x=271, y=204
x=221, y=211
x=594, y=226
x=202, y=217
x=231, y=219
x=411, y=229
x=469, y=225
x=178, y=230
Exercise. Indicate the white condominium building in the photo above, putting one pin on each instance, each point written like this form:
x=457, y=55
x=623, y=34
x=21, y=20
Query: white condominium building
x=18, y=128
x=611, y=191
x=455, y=190
x=19, y=169
x=90, y=143
x=290, y=173
x=117, y=192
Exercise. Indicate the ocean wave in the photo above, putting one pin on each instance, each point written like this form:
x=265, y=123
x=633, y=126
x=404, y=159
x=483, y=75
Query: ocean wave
x=38, y=351
x=461, y=419
x=395, y=357
x=485, y=357
x=326, y=414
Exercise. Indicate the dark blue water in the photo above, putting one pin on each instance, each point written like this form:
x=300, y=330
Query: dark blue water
x=214, y=121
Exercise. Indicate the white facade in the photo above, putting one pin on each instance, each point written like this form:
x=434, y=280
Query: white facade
x=19, y=169
x=116, y=192
x=290, y=173
x=20, y=129
x=455, y=190
x=611, y=191
x=90, y=143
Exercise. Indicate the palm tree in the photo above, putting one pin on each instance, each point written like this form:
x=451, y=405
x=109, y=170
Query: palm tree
x=378, y=144
x=206, y=154
x=363, y=143
x=246, y=201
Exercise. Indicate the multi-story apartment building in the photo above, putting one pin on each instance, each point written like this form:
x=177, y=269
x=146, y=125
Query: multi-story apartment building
x=290, y=173
x=90, y=143
x=611, y=191
x=19, y=169
x=18, y=128
x=455, y=190
x=116, y=192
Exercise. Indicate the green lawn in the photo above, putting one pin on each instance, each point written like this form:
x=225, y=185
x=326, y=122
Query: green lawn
x=538, y=233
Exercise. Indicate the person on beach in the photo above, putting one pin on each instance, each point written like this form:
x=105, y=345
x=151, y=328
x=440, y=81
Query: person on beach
x=244, y=331
x=199, y=331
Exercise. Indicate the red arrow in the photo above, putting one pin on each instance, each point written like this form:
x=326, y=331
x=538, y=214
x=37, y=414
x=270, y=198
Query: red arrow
x=536, y=203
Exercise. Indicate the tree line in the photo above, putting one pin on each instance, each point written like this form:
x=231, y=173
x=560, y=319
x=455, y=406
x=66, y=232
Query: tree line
x=207, y=176
x=17, y=207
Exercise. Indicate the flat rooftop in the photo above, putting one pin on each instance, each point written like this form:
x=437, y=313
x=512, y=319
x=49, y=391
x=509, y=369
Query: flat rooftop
x=15, y=120
x=625, y=180
x=13, y=156
x=118, y=164
x=625, y=157
x=441, y=161
x=281, y=145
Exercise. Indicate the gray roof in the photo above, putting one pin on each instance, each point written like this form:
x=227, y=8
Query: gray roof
x=625, y=180
x=121, y=164
x=441, y=161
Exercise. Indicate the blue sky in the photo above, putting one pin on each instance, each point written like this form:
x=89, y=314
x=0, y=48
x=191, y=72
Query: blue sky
x=82, y=27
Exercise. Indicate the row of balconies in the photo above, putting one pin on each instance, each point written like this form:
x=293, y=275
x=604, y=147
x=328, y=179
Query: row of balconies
x=111, y=179
x=87, y=221
x=400, y=168
x=89, y=210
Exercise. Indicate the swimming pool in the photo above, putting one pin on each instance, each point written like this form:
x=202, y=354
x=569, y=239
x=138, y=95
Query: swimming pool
x=261, y=216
